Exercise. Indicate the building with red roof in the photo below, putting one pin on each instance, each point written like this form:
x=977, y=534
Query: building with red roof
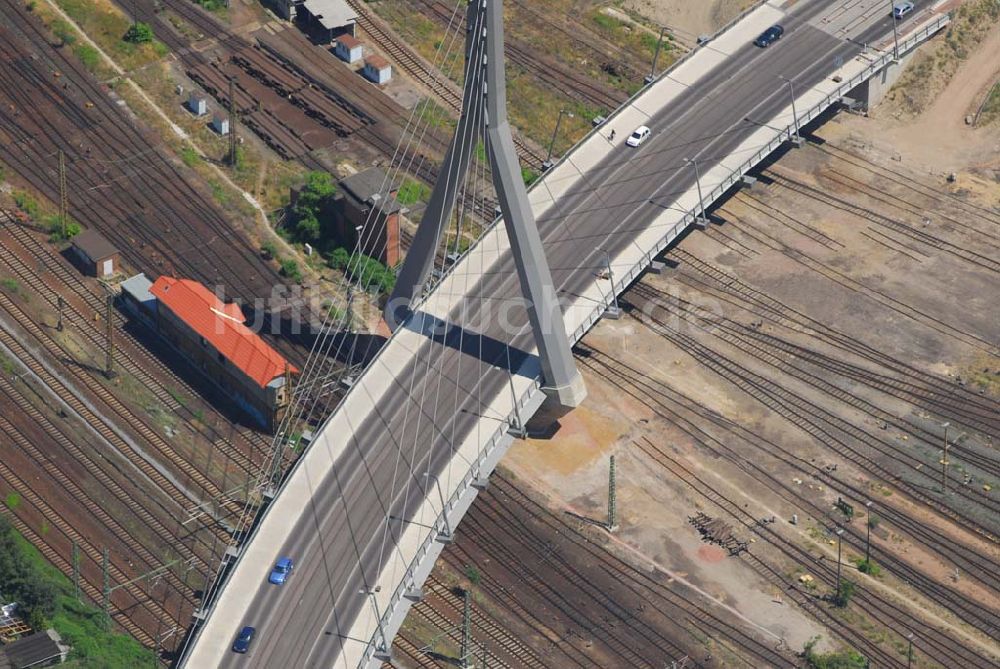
x=213, y=335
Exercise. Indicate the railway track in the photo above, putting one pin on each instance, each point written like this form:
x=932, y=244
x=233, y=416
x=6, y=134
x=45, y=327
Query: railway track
x=176, y=226
x=107, y=432
x=825, y=426
x=769, y=348
x=680, y=410
x=910, y=186
x=935, y=643
x=131, y=357
x=781, y=177
x=729, y=288
x=426, y=74
x=57, y=560
x=88, y=550
x=502, y=647
x=641, y=597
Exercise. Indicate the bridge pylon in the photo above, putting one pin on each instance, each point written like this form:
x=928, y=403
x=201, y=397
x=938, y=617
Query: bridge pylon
x=485, y=103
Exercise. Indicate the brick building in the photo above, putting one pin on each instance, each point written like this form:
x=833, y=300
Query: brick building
x=213, y=336
x=358, y=196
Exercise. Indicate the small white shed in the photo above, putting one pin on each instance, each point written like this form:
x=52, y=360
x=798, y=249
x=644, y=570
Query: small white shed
x=377, y=69
x=220, y=124
x=349, y=49
x=198, y=104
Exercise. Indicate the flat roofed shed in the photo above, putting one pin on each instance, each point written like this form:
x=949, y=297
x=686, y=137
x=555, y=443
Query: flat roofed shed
x=365, y=185
x=331, y=14
x=94, y=245
x=222, y=326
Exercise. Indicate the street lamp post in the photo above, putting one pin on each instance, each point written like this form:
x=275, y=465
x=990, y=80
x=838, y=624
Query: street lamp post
x=840, y=536
x=612, y=312
x=448, y=535
x=909, y=650
x=702, y=220
x=656, y=56
x=895, y=32
x=555, y=133
x=944, y=460
x=795, y=139
x=385, y=652
x=868, y=539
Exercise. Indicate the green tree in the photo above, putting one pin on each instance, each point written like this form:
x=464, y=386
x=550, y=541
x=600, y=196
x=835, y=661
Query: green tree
x=139, y=33
x=312, y=206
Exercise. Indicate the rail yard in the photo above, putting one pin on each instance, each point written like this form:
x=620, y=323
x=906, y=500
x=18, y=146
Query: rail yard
x=801, y=410
x=776, y=368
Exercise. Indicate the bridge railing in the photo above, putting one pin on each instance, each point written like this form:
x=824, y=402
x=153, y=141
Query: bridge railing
x=444, y=521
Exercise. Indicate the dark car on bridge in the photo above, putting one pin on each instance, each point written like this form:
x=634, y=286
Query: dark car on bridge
x=769, y=36
x=243, y=639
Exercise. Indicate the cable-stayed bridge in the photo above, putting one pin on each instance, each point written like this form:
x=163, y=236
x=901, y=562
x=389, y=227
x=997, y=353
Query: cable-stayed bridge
x=379, y=492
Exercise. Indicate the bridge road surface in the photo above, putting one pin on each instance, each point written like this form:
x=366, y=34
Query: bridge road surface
x=340, y=541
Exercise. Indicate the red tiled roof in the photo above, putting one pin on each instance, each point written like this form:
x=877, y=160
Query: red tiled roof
x=222, y=325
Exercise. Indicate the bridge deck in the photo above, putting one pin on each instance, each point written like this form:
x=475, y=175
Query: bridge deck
x=440, y=404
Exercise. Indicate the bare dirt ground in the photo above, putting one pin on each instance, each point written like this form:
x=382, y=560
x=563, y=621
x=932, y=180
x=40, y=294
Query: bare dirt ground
x=956, y=146
x=688, y=19
x=807, y=348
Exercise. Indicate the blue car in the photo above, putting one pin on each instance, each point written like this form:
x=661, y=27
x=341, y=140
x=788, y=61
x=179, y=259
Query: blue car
x=282, y=569
x=769, y=36
x=243, y=639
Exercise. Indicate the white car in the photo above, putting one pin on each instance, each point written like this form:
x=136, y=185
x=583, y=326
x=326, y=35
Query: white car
x=640, y=135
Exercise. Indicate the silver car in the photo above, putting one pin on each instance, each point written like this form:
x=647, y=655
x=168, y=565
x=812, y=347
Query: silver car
x=901, y=9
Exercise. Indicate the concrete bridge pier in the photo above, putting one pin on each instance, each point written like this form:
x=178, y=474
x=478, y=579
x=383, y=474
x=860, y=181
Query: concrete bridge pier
x=873, y=91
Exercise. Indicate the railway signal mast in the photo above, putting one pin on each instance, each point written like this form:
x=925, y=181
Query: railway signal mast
x=232, y=122
x=63, y=195
x=484, y=102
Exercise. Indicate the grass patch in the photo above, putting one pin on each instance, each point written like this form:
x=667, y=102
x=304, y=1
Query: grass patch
x=13, y=500
x=931, y=70
x=107, y=26
x=47, y=596
x=178, y=397
x=845, y=659
x=412, y=192
x=189, y=156
x=10, y=284
x=991, y=106
x=88, y=55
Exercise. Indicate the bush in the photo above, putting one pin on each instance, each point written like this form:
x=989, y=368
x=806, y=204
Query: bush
x=56, y=228
x=64, y=31
x=368, y=271
x=36, y=596
x=139, y=33
x=26, y=203
x=269, y=250
x=529, y=176
x=316, y=196
x=847, y=659
x=843, y=597
x=869, y=567
x=290, y=269
x=473, y=574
